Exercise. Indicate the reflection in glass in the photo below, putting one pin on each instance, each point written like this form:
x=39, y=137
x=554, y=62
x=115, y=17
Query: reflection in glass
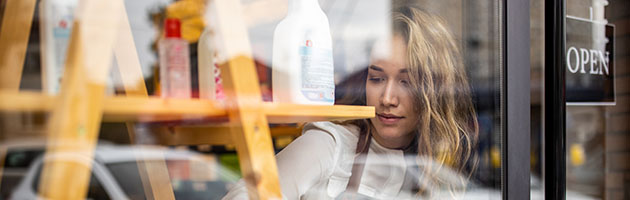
x=361, y=32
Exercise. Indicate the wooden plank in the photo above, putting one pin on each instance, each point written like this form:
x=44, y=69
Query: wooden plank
x=155, y=178
x=158, y=109
x=121, y=109
x=294, y=113
x=14, y=34
x=73, y=127
x=250, y=129
x=154, y=174
x=13, y=101
x=127, y=60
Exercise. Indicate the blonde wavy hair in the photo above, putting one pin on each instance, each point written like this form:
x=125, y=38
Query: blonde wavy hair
x=447, y=129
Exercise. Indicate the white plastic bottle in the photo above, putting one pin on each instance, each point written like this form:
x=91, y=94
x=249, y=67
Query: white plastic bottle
x=174, y=62
x=303, y=71
x=56, y=20
x=206, y=69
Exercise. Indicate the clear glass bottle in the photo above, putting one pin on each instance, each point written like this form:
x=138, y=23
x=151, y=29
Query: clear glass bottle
x=175, y=80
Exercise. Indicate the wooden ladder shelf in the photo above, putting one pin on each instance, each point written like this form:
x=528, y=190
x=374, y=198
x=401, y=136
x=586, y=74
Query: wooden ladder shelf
x=81, y=106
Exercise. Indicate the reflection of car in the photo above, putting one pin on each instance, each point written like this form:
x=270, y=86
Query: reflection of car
x=115, y=173
x=20, y=154
x=461, y=188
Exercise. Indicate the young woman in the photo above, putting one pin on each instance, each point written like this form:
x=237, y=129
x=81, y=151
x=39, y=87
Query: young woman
x=420, y=141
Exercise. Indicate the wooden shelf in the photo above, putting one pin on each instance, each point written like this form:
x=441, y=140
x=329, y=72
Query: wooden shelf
x=154, y=109
x=121, y=108
x=294, y=113
x=77, y=114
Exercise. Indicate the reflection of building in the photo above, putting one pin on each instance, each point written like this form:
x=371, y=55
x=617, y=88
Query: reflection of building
x=597, y=140
x=617, y=118
x=597, y=136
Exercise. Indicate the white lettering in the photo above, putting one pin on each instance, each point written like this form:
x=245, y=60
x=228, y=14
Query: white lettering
x=577, y=60
x=598, y=61
x=604, y=62
x=584, y=59
x=594, y=56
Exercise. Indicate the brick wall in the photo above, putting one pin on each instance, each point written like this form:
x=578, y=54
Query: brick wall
x=618, y=117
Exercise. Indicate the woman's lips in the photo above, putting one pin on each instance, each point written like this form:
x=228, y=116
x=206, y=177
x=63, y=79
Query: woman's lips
x=389, y=119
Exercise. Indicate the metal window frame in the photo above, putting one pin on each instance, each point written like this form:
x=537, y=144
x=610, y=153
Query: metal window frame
x=554, y=165
x=516, y=134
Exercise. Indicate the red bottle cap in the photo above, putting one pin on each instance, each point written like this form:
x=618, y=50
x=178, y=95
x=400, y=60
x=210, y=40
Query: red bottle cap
x=172, y=26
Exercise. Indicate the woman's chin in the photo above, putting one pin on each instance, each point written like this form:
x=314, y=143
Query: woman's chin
x=390, y=134
x=391, y=138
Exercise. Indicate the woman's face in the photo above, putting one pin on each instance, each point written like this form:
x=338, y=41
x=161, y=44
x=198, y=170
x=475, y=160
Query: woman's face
x=387, y=89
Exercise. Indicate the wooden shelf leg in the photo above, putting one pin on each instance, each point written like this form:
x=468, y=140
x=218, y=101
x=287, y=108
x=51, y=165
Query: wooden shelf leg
x=14, y=34
x=127, y=59
x=249, y=125
x=250, y=130
x=74, y=124
x=154, y=174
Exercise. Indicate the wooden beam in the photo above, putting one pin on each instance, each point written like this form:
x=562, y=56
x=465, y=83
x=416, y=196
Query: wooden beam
x=250, y=129
x=121, y=109
x=154, y=174
x=14, y=34
x=295, y=113
x=158, y=109
x=14, y=101
x=127, y=60
x=75, y=121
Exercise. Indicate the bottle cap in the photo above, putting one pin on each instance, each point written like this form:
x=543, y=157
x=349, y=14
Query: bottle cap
x=172, y=26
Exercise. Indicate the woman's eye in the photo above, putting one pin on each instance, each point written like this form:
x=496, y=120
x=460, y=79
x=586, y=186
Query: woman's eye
x=404, y=82
x=375, y=79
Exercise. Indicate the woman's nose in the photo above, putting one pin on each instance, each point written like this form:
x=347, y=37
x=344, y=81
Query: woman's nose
x=389, y=97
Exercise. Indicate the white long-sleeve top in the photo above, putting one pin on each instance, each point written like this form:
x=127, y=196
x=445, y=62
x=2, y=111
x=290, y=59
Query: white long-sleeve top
x=318, y=165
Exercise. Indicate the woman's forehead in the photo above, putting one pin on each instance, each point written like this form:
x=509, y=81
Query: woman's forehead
x=389, y=53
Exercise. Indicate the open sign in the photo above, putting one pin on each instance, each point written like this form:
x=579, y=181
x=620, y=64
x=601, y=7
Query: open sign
x=590, y=69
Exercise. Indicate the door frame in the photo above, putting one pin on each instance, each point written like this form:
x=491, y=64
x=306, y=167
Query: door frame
x=516, y=134
x=554, y=134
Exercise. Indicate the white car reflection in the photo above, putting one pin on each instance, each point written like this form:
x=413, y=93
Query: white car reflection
x=468, y=190
x=115, y=173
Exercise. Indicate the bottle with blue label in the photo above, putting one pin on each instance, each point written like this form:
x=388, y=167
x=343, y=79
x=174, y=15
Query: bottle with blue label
x=302, y=68
x=56, y=20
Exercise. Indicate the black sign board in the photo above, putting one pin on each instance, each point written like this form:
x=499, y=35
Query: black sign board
x=590, y=68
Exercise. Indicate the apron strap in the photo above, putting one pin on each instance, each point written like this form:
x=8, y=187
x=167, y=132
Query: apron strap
x=363, y=145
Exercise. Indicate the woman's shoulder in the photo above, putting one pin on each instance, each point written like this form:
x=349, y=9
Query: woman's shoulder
x=344, y=137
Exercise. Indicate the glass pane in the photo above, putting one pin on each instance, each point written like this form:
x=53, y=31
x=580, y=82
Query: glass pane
x=424, y=79
x=457, y=43
x=596, y=125
x=597, y=131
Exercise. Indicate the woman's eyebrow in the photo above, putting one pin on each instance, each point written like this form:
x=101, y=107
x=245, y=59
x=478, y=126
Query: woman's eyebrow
x=402, y=71
x=376, y=68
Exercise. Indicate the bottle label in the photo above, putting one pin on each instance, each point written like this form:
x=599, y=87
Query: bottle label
x=317, y=73
x=61, y=19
